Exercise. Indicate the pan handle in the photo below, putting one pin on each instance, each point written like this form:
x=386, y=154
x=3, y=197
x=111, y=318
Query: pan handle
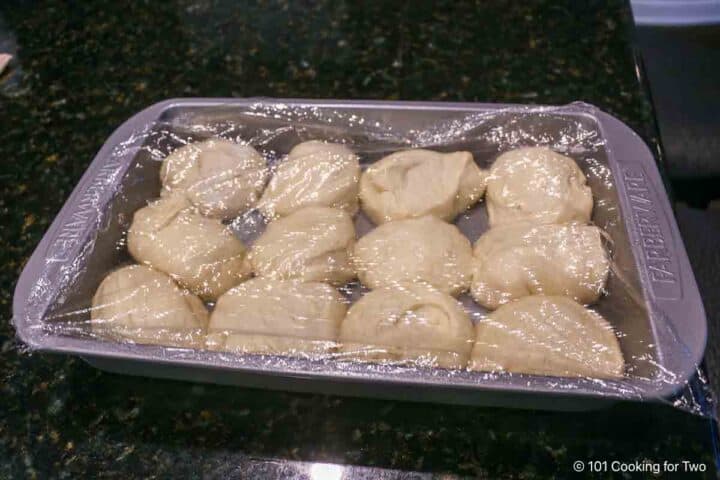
x=671, y=291
x=68, y=234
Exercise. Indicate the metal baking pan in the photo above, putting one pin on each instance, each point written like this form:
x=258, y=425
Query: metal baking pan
x=652, y=298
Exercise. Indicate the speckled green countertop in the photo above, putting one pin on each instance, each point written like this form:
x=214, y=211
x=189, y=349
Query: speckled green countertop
x=80, y=71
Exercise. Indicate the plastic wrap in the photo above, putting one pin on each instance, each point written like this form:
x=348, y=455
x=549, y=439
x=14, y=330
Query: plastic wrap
x=479, y=249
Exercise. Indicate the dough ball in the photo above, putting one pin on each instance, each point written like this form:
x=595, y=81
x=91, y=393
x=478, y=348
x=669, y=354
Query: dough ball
x=313, y=174
x=311, y=244
x=277, y=317
x=520, y=259
x=222, y=179
x=415, y=183
x=143, y=305
x=537, y=185
x=200, y=253
x=411, y=323
x=545, y=335
x=417, y=249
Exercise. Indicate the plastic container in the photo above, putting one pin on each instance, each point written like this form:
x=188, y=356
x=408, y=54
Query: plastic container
x=652, y=298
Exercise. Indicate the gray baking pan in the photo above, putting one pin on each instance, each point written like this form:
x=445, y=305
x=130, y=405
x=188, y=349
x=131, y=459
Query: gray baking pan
x=651, y=297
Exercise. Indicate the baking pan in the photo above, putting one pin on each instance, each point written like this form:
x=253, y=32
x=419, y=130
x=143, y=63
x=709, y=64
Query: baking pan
x=652, y=299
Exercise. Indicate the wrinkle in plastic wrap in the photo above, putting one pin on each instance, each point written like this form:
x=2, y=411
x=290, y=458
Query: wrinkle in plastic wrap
x=445, y=246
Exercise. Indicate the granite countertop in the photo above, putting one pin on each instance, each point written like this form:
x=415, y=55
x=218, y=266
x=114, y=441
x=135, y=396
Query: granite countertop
x=80, y=70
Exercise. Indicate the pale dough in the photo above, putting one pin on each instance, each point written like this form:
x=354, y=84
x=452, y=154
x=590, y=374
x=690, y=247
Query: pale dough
x=415, y=183
x=520, y=259
x=277, y=317
x=538, y=185
x=221, y=179
x=143, y=305
x=410, y=324
x=417, y=249
x=547, y=335
x=311, y=244
x=200, y=253
x=313, y=174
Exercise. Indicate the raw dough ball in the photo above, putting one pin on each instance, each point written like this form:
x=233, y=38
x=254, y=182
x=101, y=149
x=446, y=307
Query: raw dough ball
x=143, y=305
x=543, y=335
x=516, y=260
x=537, y=185
x=414, y=183
x=411, y=323
x=417, y=249
x=277, y=317
x=311, y=244
x=221, y=178
x=200, y=253
x=313, y=174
